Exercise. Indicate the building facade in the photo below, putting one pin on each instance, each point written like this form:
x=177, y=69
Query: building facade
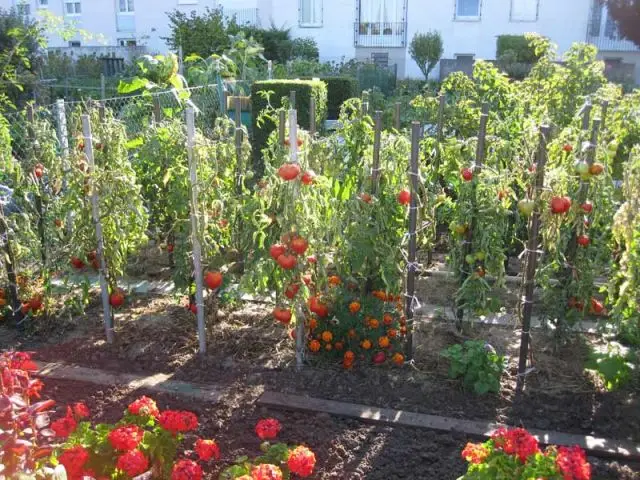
x=375, y=30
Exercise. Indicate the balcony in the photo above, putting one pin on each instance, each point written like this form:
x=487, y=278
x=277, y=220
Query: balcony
x=243, y=16
x=612, y=44
x=602, y=31
x=126, y=22
x=380, y=34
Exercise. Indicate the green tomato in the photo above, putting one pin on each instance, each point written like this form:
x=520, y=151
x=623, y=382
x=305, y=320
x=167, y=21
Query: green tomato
x=470, y=259
x=481, y=256
x=581, y=167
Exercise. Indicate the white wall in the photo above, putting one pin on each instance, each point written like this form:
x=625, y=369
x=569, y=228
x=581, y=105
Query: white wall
x=563, y=21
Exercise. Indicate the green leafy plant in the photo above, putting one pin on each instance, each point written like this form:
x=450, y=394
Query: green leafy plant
x=477, y=363
x=426, y=49
x=306, y=48
x=614, y=367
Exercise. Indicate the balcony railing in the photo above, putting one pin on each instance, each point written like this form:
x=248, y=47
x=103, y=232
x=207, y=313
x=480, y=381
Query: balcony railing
x=612, y=44
x=243, y=16
x=380, y=34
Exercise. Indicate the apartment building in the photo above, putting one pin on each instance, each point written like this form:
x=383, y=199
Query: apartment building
x=377, y=30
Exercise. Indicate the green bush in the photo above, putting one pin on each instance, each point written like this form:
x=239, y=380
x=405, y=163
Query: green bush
x=426, y=49
x=305, y=90
x=339, y=89
x=517, y=48
x=305, y=48
x=478, y=364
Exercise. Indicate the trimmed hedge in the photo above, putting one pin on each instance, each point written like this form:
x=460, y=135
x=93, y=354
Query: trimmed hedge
x=304, y=89
x=517, y=47
x=339, y=89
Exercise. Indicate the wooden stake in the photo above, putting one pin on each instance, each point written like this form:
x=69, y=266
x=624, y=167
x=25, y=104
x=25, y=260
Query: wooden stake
x=531, y=259
x=586, y=115
x=377, y=133
x=157, y=111
x=95, y=210
x=238, y=139
x=396, y=116
x=605, y=111
x=416, y=130
x=468, y=241
x=195, y=229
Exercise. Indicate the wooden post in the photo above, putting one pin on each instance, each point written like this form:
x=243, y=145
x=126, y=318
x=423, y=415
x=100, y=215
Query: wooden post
x=95, y=210
x=468, y=241
x=312, y=116
x=101, y=111
x=157, y=110
x=375, y=171
x=103, y=87
x=238, y=140
x=605, y=111
x=396, y=116
x=416, y=129
x=442, y=103
x=282, y=125
x=195, y=229
x=586, y=115
x=531, y=259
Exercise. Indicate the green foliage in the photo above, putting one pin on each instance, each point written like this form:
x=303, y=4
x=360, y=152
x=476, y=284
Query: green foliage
x=155, y=73
x=202, y=35
x=305, y=48
x=426, y=49
x=518, y=47
x=613, y=367
x=478, y=364
x=279, y=90
x=60, y=66
x=339, y=89
x=276, y=41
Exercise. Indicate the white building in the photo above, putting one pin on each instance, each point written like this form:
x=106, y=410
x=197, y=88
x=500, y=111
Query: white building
x=378, y=30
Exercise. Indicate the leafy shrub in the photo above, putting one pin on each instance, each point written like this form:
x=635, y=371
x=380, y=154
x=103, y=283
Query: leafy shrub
x=515, y=454
x=477, y=363
x=613, y=367
x=276, y=41
x=519, y=47
x=339, y=89
x=305, y=48
x=202, y=35
x=260, y=101
x=426, y=49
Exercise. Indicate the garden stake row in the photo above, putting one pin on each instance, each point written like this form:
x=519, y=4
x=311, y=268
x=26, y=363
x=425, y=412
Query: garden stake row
x=95, y=210
x=531, y=258
x=410, y=298
x=195, y=231
x=468, y=238
x=238, y=141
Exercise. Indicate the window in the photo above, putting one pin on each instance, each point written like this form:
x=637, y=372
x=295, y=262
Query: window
x=127, y=42
x=524, y=10
x=75, y=43
x=43, y=3
x=468, y=9
x=72, y=8
x=187, y=2
x=310, y=13
x=23, y=9
x=125, y=6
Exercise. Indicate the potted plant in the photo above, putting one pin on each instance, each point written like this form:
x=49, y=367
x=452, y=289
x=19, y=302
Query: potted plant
x=375, y=29
x=364, y=28
x=387, y=30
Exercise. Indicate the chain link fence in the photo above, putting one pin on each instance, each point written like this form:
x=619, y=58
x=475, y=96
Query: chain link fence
x=135, y=111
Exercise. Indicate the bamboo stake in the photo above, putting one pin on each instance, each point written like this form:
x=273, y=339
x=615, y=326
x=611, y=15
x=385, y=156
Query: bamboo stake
x=413, y=221
x=531, y=259
x=396, y=116
x=238, y=140
x=195, y=238
x=375, y=171
x=95, y=210
x=468, y=241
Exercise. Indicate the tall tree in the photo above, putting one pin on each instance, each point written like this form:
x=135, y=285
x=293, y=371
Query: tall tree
x=627, y=14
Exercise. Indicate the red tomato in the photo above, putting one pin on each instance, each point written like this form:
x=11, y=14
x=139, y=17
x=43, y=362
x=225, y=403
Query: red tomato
x=596, y=169
x=77, y=263
x=312, y=259
x=193, y=307
x=289, y=171
x=467, y=174
x=287, y=261
x=282, y=315
x=299, y=245
x=36, y=303
x=24, y=309
x=276, y=250
x=365, y=197
x=292, y=290
x=596, y=306
x=170, y=247
x=116, y=300
x=38, y=171
x=306, y=279
x=213, y=280
x=587, y=207
x=568, y=148
x=567, y=204
x=308, y=177
x=404, y=197
x=583, y=240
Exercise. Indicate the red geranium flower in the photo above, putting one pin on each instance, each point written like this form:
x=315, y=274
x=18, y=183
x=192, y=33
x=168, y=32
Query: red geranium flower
x=73, y=460
x=178, y=421
x=133, y=463
x=301, y=461
x=64, y=427
x=80, y=410
x=186, y=470
x=144, y=406
x=125, y=438
x=266, y=471
x=572, y=462
x=475, y=453
x=207, y=449
x=268, y=428
x=516, y=441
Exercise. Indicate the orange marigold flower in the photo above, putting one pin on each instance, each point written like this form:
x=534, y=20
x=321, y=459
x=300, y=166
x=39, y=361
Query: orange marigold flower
x=207, y=449
x=268, y=428
x=338, y=346
x=387, y=319
x=327, y=336
x=383, y=342
x=398, y=358
x=475, y=452
x=349, y=356
x=352, y=333
x=392, y=333
x=301, y=461
x=366, y=344
x=354, y=307
x=346, y=364
x=334, y=280
x=374, y=323
x=313, y=323
x=314, y=345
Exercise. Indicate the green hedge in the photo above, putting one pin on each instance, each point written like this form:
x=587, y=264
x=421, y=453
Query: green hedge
x=339, y=89
x=517, y=47
x=304, y=89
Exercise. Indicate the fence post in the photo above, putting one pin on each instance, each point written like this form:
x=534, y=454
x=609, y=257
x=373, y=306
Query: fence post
x=468, y=240
x=282, y=120
x=586, y=115
x=377, y=133
x=103, y=87
x=292, y=101
x=195, y=229
x=603, y=116
x=396, y=116
x=238, y=140
x=157, y=111
x=410, y=299
x=312, y=116
x=95, y=210
x=531, y=260
x=270, y=70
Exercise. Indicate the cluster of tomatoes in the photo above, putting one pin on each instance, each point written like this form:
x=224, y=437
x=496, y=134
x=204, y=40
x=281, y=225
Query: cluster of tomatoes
x=291, y=171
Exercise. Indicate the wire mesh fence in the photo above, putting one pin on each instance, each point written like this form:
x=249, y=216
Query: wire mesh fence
x=135, y=111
